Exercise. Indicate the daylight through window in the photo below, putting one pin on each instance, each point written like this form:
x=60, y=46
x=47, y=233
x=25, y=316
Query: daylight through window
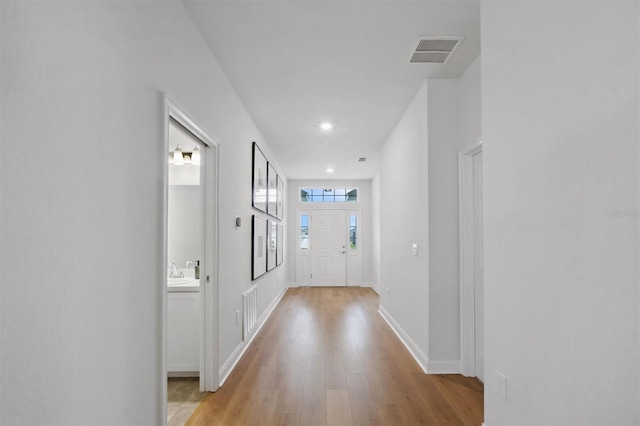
x=335, y=195
x=353, y=232
x=304, y=232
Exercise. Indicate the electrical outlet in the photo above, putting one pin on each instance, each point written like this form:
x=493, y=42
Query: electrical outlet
x=237, y=317
x=414, y=249
x=502, y=385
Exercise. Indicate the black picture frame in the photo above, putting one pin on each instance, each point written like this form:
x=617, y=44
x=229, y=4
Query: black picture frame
x=272, y=191
x=280, y=249
x=259, y=183
x=272, y=244
x=258, y=247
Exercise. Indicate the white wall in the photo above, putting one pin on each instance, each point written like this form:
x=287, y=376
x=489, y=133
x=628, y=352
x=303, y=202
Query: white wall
x=444, y=287
x=421, y=157
x=469, y=108
x=560, y=123
x=363, y=203
x=81, y=248
x=454, y=114
x=404, y=213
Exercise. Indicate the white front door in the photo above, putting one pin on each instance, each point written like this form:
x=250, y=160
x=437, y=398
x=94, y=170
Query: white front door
x=328, y=248
x=478, y=265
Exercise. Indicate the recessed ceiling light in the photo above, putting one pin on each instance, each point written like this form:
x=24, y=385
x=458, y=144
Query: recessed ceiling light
x=329, y=170
x=326, y=126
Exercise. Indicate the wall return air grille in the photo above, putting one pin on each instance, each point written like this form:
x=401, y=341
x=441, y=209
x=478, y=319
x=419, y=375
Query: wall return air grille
x=434, y=50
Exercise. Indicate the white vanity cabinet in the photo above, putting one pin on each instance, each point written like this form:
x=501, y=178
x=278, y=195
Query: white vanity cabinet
x=183, y=336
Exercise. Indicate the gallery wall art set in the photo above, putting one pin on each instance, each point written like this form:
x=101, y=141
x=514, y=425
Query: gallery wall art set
x=266, y=229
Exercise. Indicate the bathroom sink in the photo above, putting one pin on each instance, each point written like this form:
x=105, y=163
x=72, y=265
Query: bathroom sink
x=182, y=282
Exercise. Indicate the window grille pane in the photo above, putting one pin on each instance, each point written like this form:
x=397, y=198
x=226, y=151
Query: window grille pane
x=328, y=195
x=304, y=232
x=353, y=232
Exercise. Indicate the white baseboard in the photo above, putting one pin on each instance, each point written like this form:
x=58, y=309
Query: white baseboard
x=373, y=286
x=443, y=367
x=237, y=353
x=231, y=362
x=411, y=346
x=292, y=284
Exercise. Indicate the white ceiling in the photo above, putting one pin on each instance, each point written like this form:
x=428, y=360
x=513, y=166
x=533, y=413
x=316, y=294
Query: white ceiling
x=295, y=64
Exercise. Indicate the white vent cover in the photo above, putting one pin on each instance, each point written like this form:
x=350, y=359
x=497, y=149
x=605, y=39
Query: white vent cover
x=362, y=159
x=435, y=50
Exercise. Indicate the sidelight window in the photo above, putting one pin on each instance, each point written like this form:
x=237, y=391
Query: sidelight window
x=353, y=232
x=304, y=232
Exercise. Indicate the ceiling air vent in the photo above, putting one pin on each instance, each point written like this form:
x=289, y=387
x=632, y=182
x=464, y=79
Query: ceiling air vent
x=435, y=50
x=362, y=159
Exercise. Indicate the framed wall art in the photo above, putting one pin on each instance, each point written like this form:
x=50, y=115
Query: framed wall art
x=272, y=240
x=279, y=199
x=259, y=187
x=280, y=247
x=258, y=247
x=272, y=191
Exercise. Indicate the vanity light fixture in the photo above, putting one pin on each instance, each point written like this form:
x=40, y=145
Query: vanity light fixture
x=195, y=156
x=178, y=159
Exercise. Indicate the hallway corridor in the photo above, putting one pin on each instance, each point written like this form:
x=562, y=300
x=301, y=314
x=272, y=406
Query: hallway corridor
x=326, y=357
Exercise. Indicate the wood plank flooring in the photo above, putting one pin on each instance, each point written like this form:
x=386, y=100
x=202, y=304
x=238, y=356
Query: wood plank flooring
x=326, y=357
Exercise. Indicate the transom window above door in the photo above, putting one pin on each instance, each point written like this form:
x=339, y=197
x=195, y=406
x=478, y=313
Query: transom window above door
x=324, y=195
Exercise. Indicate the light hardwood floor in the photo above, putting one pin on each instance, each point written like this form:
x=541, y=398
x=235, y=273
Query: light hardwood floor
x=326, y=357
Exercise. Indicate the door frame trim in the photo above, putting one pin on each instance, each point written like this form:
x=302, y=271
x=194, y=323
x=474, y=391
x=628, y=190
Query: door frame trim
x=209, y=380
x=467, y=255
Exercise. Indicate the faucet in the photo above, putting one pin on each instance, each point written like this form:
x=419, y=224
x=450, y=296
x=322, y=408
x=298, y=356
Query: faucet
x=173, y=271
x=191, y=264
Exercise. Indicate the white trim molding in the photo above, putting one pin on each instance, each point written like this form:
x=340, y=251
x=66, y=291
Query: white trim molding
x=428, y=366
x=467, y=365
x=411, y=346
x=208, y=333
x=373, y=287
x=443, y=367
x=232, y=361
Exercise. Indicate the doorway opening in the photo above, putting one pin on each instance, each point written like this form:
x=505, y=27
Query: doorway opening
x=471, y=262
x=190, y=253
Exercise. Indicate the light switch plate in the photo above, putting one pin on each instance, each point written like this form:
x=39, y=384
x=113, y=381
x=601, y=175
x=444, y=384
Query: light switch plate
x=414, y=249
x=502, y=385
